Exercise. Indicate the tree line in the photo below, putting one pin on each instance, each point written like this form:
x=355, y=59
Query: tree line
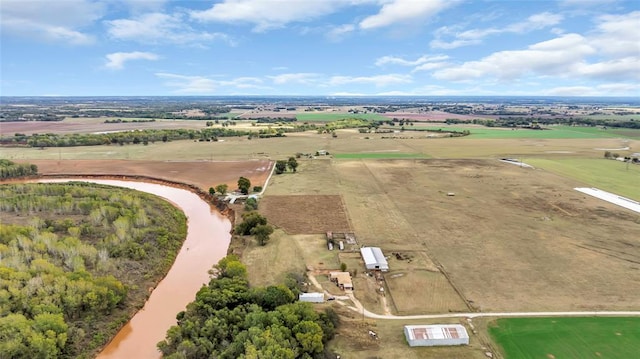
x=10, y=169
x=229, y=319
x=75, y=261
x=520, y=121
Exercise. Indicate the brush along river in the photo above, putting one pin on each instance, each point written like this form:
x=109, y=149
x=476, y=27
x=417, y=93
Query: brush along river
x=208, y=236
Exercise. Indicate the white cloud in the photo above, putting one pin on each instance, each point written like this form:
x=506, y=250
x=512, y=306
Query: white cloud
x=475, y=36
x=555, y=57
x=336, y=33
x=376, y=80
x=159, y=27
x=610, y=89
x=188, y=84
x=400, y=61
x=270, y=14
x=117, y=60
x=620, y=69
x=299, y=78
x=618, y=34
x=430, y=66
x=185, y=84
x=396, y=11
x=267, y=14
x=59, y=21
x=608, y=53
x=243, y=83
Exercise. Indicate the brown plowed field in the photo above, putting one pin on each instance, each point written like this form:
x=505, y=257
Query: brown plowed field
x=306, y=214
x=203, y=174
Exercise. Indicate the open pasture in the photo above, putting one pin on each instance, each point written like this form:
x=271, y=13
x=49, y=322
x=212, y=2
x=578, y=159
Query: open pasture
x=509, y=239
x=332, y=116
x=377, y=155
x=618, y=177
x=550, y=132
x=570, y=338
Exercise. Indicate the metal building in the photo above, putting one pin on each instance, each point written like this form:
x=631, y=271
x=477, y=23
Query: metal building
x=433, y=335
x=312, y=297
x=374, y=259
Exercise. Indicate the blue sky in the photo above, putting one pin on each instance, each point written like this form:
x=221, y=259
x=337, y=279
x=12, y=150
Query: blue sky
x=319, y=47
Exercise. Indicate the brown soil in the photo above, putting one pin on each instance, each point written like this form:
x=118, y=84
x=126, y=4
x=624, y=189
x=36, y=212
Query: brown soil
x=306, y=214
x=202, y=174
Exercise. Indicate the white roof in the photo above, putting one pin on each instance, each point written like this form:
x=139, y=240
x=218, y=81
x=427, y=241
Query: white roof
x=438, y=331
x=312, y=295
x=373, y=255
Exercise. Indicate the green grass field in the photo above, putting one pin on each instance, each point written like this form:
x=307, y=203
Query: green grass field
x=609, y=175
x=554, y=132
x=378, y=155
x=568, y=338
x=328, y=117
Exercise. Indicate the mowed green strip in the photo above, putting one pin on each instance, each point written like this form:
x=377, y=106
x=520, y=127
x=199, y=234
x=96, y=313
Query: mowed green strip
x=328, y=117
x=609, y=175
x=554, y=132
x=378, y=155
x=568, y=338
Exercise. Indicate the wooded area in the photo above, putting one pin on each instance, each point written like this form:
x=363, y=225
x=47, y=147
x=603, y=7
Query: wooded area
x=76, y=262
x=230, y=319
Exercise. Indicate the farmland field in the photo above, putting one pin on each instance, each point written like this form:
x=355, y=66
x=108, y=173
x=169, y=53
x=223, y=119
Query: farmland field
x=378, y=155
x=552, y=132
x=570, y=338
x=614, y=176
x=330, y=116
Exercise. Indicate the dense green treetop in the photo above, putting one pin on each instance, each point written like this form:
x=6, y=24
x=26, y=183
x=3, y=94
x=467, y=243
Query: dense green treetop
x=230, y=319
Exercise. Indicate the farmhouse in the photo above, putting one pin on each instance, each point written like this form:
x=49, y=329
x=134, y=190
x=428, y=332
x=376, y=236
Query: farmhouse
x=342, y=279
x=312, y=297
x=433, y=335
x=374, y=259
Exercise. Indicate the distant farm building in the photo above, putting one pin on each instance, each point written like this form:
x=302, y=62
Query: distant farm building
x=342, y=280
x=312, y=297
x=433, y=335
x=374, y=259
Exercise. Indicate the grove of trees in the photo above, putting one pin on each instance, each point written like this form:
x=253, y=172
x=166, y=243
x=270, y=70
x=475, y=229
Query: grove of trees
x=9, y=169
x=75, y=260
x=229, y=319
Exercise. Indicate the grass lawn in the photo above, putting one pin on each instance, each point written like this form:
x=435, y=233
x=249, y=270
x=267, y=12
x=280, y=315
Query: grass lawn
x=378, y=155
x=554, y=132
x=591, y=337
x=328, y=117
x=609, y=175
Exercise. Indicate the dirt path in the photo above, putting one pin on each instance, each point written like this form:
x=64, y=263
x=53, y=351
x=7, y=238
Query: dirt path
x=357, y=307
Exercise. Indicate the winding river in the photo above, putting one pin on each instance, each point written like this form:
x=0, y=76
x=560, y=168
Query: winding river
x=206, y=243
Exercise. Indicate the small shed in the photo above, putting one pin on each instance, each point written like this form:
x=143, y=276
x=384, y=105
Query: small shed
x=374, y=259
x=312, y=297
x=434, y=335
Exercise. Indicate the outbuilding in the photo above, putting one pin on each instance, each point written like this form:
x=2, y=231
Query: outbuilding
x=374, y=259
x=434, y=335
x=342, y=280
x=312, y=297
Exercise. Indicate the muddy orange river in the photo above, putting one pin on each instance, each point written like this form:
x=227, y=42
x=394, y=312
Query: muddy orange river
x=206, y=243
